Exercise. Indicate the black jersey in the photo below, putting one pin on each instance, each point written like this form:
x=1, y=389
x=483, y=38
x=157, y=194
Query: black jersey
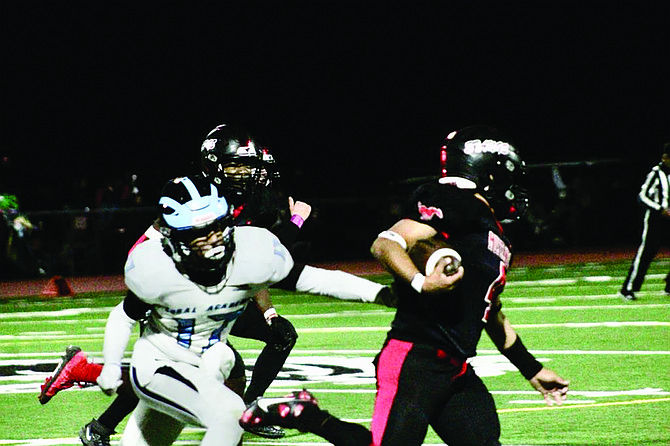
x=454, y=321
x=267, y=208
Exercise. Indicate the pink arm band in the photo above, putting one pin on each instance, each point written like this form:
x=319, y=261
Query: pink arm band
x=297, y=220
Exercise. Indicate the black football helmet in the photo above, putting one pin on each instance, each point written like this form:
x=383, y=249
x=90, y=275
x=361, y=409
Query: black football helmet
x=234, y=160
x=490, y=163
x=197, y=227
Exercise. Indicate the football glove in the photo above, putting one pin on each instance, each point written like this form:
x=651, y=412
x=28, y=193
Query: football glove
x=284, y=333
x=110, y=378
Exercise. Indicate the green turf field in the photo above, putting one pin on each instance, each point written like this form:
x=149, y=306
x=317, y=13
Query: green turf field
x=616, y=355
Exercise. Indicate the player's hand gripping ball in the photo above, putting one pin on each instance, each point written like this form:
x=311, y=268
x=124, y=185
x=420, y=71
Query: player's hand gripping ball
x=427, y=253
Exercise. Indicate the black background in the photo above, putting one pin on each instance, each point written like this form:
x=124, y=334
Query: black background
x=347, y=99
x=352, y=101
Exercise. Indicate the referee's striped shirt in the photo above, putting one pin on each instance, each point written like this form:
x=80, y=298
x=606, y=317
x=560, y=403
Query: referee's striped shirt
x=655, y=192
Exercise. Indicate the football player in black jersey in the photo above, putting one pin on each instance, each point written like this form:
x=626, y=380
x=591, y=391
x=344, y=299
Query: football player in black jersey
x=237, y=163
x=423, y=373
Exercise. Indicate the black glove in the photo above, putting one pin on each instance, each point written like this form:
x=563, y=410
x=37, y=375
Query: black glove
x=283, y=332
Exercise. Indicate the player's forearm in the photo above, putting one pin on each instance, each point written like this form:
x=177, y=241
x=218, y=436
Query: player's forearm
x=263, y=300
x=118, y=329
x=500, y=331
x=394, y=258
x=509, y=344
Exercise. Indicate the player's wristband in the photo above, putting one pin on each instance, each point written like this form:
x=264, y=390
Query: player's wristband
x=270, y=314
x=417, y=282
x=522, y=359
x=297, y=220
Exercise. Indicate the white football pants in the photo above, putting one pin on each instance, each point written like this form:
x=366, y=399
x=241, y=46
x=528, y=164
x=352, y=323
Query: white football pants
x=174, y=394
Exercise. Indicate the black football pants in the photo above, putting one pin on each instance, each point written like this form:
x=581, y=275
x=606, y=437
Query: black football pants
x=251, y=325
x=655, y=233
x=420, y=386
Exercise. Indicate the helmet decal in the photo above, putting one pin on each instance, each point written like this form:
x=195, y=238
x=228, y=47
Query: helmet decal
x=248, y=150
x=483, y=158
x=197, y=227
x=197, y=211
x=487, y=146
x=208, y=144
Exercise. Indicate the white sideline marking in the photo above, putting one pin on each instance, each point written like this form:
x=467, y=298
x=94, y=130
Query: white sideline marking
x=585, y=307
x=75, y=441
x=55, y=313
x=354, y=352
x=52, y=336
x=647, y=391
x=62, y=441
x=597, y=324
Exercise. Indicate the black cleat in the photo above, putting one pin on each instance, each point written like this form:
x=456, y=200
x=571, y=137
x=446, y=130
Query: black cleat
x=291, y=411
x=269, y=432
x=95, y=434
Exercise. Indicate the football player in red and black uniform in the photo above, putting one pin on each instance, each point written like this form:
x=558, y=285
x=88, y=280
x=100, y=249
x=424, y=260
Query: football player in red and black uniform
x=423, y=373
x=238, y=164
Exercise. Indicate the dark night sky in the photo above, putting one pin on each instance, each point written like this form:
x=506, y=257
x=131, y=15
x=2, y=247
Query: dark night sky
x=345, y=107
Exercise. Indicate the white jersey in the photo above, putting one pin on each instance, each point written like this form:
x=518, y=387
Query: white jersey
x=187, y=318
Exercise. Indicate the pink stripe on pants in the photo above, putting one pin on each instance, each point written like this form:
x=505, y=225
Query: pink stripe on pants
x=388, y=373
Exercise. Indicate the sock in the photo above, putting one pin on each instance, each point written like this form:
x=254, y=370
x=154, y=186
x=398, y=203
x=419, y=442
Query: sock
x=342, y=433
x=124, y=403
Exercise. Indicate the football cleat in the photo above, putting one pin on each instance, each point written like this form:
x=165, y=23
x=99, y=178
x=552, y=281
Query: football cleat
x=291, y=411
x=95, y=434
x=68, y=373
x=269, y=432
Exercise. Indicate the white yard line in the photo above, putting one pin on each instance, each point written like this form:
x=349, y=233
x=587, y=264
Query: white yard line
x=56, y=336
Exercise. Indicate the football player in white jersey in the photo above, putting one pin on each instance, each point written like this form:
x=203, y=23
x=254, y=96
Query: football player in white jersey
x=244, y=171
x=189, y=286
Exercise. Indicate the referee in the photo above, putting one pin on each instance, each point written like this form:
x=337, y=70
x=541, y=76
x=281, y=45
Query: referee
x=655, y=199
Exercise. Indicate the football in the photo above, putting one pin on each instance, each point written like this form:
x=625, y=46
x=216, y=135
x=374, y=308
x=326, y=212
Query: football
x=426, y=253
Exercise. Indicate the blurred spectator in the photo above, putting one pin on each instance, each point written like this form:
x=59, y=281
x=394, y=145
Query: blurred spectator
x=15, y=229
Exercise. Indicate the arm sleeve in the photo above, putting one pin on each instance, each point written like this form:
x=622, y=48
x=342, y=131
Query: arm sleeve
x=117, y=334
x=287, y=233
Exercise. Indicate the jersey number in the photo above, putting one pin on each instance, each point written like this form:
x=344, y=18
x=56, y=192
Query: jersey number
x=187, y=326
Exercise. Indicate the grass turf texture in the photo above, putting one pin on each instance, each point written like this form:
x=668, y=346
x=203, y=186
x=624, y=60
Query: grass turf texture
x=615, y=353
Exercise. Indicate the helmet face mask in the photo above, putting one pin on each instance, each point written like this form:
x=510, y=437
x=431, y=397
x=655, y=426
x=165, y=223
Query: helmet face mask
x=239, y=175
x=486, y=158
x=197, y=229
x=204, y=258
